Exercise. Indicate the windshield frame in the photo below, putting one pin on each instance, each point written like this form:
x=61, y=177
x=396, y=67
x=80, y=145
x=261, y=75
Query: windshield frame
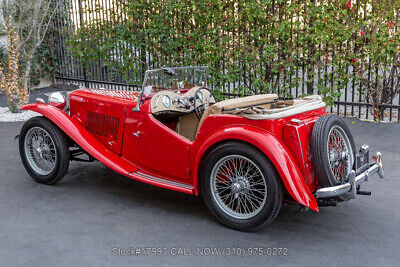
x=148, y=72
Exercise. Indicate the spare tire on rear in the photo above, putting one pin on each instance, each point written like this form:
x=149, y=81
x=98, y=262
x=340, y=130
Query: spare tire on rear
x=333, y=149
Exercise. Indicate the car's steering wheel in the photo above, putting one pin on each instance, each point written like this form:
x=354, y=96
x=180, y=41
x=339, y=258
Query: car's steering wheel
x=199, y=108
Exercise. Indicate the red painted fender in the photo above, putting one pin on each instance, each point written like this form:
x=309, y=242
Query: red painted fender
x=83, y=138
x=274, y=149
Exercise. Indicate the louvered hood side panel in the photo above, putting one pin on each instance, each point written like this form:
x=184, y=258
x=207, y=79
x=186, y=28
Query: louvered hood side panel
x=102, y=125
x=103, y=116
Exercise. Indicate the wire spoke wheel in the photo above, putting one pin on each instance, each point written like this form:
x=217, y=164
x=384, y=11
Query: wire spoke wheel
x=340, y=154
x=332, y=148
x=40, y=150
x=238, y=186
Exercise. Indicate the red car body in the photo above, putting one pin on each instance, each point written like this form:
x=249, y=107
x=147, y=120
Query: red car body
x=245, y=156
x=133, y=143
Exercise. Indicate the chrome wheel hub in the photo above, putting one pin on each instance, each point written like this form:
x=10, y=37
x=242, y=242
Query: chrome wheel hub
x=340, y=153
x=238, y=186
x=241, y=184
x=40, y=150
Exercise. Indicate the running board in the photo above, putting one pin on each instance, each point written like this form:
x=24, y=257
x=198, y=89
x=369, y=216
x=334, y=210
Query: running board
x=164, y=183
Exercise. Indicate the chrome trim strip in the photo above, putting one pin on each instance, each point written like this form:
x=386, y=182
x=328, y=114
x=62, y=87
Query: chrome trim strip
x=147, y=176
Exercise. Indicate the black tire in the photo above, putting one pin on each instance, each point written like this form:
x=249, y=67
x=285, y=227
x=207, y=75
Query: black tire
x=274, y=197
x=319, y=150
x=62, y=150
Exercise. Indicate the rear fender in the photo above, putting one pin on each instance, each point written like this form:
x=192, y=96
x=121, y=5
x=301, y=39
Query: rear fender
x=72, y=127
x=274, y=149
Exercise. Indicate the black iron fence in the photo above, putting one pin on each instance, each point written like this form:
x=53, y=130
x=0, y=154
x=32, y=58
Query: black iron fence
x=353, y=101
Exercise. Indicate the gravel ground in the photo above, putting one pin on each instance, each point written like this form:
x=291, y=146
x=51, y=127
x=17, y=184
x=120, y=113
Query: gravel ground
x=6, y=115
x=92, y=210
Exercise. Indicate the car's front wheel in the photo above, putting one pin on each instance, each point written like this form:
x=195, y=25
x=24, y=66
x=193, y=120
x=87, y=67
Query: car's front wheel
x=240, y=187
x=44, y=150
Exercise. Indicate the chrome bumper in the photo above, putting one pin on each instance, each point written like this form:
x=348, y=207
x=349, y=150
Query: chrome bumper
x=354, y=181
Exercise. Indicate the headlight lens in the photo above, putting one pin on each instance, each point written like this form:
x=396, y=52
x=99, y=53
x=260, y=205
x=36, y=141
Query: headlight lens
x=57, y=99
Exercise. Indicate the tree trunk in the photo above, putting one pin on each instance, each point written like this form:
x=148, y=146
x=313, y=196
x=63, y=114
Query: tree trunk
x=25, y=79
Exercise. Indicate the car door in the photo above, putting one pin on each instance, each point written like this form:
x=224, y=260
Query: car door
x=155, y=147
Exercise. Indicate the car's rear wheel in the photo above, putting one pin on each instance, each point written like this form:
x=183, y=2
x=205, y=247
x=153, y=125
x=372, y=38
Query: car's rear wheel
x=333, y=151
x=44, y=150
x=240, y=187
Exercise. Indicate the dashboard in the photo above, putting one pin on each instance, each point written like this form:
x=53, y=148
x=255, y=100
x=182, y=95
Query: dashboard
x=172, y=102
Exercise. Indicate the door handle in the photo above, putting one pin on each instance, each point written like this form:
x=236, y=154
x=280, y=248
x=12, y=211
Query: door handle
x=136, y=133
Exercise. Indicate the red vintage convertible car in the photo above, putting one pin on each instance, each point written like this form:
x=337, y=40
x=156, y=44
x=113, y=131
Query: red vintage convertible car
x=245, y=156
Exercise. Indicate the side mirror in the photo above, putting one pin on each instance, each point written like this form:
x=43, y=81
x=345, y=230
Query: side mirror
x=147, y=90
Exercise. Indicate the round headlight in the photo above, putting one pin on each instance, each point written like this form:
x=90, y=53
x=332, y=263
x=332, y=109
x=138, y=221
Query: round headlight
x=57, y=99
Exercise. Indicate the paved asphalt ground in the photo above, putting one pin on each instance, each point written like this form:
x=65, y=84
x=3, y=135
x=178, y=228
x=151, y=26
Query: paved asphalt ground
x=93, y=210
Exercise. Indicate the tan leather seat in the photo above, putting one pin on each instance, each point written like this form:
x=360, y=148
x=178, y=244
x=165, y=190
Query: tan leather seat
x=187, y=126
x=218, y=108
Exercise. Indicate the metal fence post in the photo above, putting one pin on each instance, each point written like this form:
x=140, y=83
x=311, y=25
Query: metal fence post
x=85, y=80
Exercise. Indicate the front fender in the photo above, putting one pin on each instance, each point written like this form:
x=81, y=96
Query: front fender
x=274, y=149
x=72, y=127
